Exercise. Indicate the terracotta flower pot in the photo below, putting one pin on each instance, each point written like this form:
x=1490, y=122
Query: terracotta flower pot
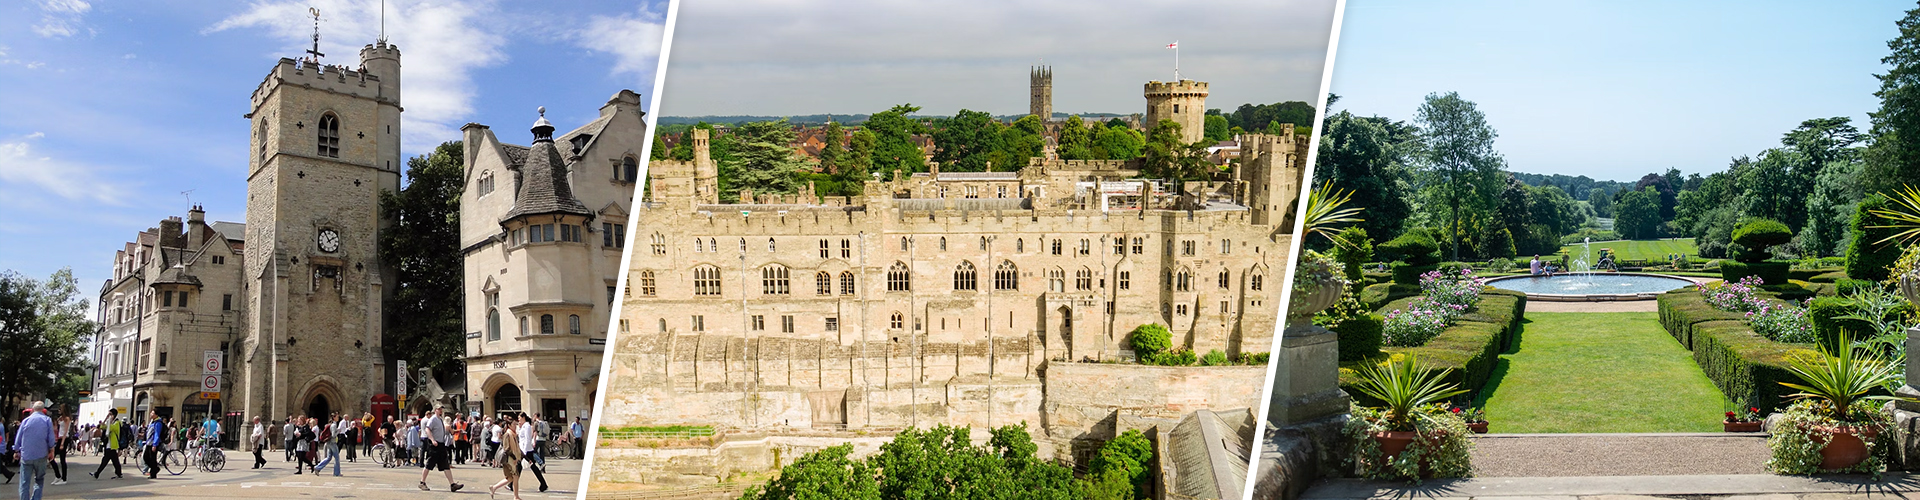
x=1741, y=426
x=1392, y=443
x=1845, y=446
x=1477, y=427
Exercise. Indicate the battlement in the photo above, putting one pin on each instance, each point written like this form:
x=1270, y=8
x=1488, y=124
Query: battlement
x=1159, y=88
x=323, y=77
x=1091, y=165
x=379, y=51
x=1041, y=75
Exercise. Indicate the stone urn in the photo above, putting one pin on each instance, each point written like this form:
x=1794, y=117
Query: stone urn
x=1325, y=294
x=1910, y=287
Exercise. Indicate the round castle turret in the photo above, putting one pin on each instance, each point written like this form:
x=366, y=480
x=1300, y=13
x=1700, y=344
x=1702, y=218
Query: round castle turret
x=1184, y=102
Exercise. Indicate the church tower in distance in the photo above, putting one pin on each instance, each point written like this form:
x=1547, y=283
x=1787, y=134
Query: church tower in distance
x=326, y=144
x=1041, y=102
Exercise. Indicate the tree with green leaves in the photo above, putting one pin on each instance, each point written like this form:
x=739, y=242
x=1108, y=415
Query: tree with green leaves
x=859, y=161
x=967, y=142
x=830, y=473
x=1459, y=158
x=45, y=329
x=1128, y=455
x=1019, y=141
x=1076, y=140
x=1601, y=201
x=1118, y=143
x=830, y=147
x=1216, y=127
x=660, y=150
x=940, y=462
x=423, y=246
x=1775, y=189
x=1639, y=214
x=761, y=160
x=1368, y=158
x=893, y=147
x=1894, y=158
x=1169, y=157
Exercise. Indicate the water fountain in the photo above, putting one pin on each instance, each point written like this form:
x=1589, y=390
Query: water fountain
x=1583, y=284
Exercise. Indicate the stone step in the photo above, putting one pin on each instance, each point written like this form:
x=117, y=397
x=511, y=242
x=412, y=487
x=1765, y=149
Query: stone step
x=1543, y=455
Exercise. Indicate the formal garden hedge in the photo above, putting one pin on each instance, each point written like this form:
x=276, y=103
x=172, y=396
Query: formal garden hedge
x=1744, y=365
x=1471, y=347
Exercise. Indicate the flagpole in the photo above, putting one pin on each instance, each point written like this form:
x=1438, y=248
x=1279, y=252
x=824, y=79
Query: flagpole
x=1176, y=60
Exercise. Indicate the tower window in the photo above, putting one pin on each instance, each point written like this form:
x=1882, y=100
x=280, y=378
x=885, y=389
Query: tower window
x=493, y=317
x=1083, y=279
x=846, y=282
x=1125, y=280
x=1006, y=276
x=1226, y=278
x=773, y=280
x=329, y=136
x=824, y=249
x=896, y=321
x=546, y=324
x=822, y=283
x=629, y=170
x=897, y=279
x=846, y=249
x=573, y=324
x=646, y=283
x=964, y=277
x=706, y=280
x=1138, y=245
x=1254, y=282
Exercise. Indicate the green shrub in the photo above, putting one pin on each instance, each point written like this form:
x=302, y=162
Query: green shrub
x=1683, y=310
x=1826, y=314
x=1744, y=365
x=1471, y=347
x=1831, y=277
x=1412, y=247
x=1214, y=357
x=1181, y=357
x=1128, y=455
x=1867, y=259
x=1352, y=249
x=1409, y=274
x=1150, y=339
x=1770, y=272
x=1360, y=336
x=1758, y=235
x=1255, y=358
x=1380, y=294
x=1852, y=286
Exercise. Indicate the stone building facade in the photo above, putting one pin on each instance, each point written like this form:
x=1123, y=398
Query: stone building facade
x=175, y=294
x=1040, y=93
x=326, y=144
x=1184, y=102
x=939, y=297
x=542, y=230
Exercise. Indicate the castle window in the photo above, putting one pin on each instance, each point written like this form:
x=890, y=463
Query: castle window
x=903, y=243
x=646, y=283
x=714, y=245
x=770, y=246
x=1125, y=280
x=983, y=243
x=523, y=327
x=1176, y=109
x=546, y=324
x=964, y=277
x=822, y=283
x=699, y=323
x=614, y=235
x=706, y=280
x=1226, y=278
x=1226, y=246
x=169, y=299
x=1056, y=246
x=1139, y=245
x=833, y=324
x=659, y=244
x=846, y=249
x=262, y=134
x=1254, y=282
x=1006, y=277
x=329, y=136
x=1083, y=279
x=1120, y=246
x=226, y=302
x=1056, y=280
x=486, y=182
x=1183, y=281
x=846, y=282
x=699, y=245
x=631, y=168
x=897, y=278
x=573, y=324
x=786, y=324
x=943, y=243
x=896, y=321
x=1186, y=248
x=773, y=280
x=493, y=317
x=1223, y=307
x=1019, y=245
x=1180, y=309
x=824, y=250
x=973, y=191
x=1003, y=191
x=759, y=322
x=1086, y=246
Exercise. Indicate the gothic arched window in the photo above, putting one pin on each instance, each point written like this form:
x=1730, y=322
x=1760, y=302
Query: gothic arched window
x=897, y=279
x=546, y=324
x=706, y=280
x=823, y=283
x=773, y=280
x=846, y=282
x=1006, y=277
x=964, y=277
x=329, y=131
x=630, y=167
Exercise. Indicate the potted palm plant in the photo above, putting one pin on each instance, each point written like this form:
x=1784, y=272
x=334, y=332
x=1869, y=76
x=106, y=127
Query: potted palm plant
x=1834, y=413
x=1412, y=434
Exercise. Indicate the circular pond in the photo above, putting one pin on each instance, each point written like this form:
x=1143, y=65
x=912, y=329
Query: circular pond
x=1591, y=286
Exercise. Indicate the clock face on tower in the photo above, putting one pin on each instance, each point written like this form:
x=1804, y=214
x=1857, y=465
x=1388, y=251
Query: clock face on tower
x=329, y=241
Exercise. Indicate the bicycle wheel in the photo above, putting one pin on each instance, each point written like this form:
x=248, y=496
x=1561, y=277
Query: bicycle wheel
x=382, y=454
x=215, y=461
x=175, y=462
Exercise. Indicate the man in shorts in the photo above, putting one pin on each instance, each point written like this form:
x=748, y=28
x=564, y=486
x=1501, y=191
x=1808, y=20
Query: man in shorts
x=437, y=443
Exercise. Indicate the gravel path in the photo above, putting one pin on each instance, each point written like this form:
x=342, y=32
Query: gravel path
x=1526, y=455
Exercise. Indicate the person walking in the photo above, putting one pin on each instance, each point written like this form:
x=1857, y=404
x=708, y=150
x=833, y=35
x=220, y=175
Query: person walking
x=289, y=434
x=303, y=438
x=413, y=441
x=258, y=440
x=495, y=430
x=438, y=441
x=33, y=442
x=529, y=449
x=509, y=460
x=156, y=436
x=331, y=446
x=62, y=439
x=579, y=433
x=113, y=440
x=342, y=440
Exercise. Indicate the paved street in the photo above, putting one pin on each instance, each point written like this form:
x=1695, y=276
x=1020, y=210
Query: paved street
x=364, y=479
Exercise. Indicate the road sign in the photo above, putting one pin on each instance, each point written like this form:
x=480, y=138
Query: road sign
x=400, y=379
x=210, y=384
x=211, y=362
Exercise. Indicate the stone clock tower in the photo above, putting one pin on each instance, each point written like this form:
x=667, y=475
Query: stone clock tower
x=326, y=144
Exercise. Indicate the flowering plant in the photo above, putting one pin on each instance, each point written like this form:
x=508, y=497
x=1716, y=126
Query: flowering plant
x=1471, y=415
x=1315, y=270
x=1740, y=296
x=1461, y=288
x=1419, y=323
x=1782, y=323
x=1743, y=413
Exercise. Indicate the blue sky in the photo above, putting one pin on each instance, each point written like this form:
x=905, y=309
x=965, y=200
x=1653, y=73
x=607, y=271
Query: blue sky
x=1614, y=90
x=108, y=111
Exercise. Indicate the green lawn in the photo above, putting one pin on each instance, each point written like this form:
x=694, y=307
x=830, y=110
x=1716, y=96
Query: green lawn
x=1636, y=249
x=1600, y=372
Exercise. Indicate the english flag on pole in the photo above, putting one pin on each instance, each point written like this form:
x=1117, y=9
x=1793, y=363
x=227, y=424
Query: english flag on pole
x=1173, y=45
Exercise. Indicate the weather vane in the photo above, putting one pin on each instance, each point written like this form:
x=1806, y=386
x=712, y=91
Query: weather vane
x=189, y=194
x=316, y=35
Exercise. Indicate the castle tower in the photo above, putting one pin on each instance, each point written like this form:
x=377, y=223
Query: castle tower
x=326, y=143
x=1270, y=170
x=706, y=175
x=1184, y=102
x=1040, y=103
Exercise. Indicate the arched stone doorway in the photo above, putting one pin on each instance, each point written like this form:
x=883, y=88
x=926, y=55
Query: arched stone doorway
x=1066, y=329
x=319, y=407
x=506, y=399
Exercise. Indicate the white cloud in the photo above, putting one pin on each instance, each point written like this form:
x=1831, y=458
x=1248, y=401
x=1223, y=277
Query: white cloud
x=25, y=171
x=61, y=18
x=441, y=44
x=634, y=41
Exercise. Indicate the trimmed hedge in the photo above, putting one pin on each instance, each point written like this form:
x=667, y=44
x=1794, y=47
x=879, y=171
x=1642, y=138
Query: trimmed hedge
x=1409, y=274
x=1810, y=274
x=1744, y=365
x=1360, y=337
x=1851, y=286
x=1378, y=295
x=1830, y=277
x=1826, y=312
x=1867, y=259
x=1770, y=272
x=1471, y=347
